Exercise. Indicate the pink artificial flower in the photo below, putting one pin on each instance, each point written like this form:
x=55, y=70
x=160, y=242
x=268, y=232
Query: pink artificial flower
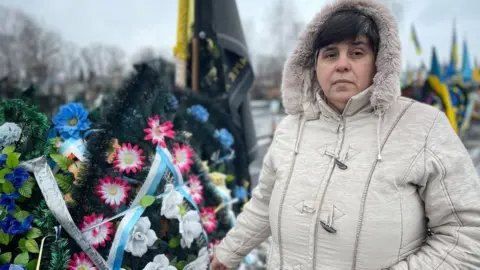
x=98, y=235
x=80, y=262
x=158, y=132
x=196, y=189
x=129, y=159
x=182, y=157
x=209, y=219
x=113, y=191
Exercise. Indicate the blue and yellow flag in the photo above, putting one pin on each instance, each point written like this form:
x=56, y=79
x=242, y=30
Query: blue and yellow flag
x=414, y=38
x=467, y=71
x=435, y=68
x=454, y=52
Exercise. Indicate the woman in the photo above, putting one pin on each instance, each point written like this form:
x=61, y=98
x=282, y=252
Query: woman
x=358, y=177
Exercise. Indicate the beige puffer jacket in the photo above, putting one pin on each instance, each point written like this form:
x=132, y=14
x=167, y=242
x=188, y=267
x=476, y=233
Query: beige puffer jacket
x=363, y=189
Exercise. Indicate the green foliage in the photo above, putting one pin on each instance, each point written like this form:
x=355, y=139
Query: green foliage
x=21, y=258
x=34, y=126
x=26, y=189
x=44, y=218
x=4, y=238
x=34, y=233
x=65, y=182
x=6, y=257
x=9, y=149
x=60, y=255
x=61, y=161
x=12, y=160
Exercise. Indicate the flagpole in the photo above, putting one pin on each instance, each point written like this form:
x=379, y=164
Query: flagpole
x=196, y=48
x=181, y=47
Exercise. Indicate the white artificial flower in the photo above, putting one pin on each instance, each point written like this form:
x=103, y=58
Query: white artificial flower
x=202, y=261
x=141, y=238
x=190, y=228
x=9, y=134
x=160, y=262
x=171, y=201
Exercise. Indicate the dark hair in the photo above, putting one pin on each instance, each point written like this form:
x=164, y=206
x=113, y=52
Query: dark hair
x=345, y=25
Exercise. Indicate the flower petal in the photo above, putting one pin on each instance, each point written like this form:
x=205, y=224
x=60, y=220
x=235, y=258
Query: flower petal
x=152, y=238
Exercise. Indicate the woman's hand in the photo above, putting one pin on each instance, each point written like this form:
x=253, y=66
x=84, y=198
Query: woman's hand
x=217, y=265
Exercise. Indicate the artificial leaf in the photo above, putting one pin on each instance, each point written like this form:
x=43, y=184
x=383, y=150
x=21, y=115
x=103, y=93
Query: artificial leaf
x=181, y=264
x=12, y=161
x=9, y=149
x=5, y=257
x=230, y=178
x=174, y=242
x=17, y=155
x=61, y=161
x=32, y=265
x=64, y=182
x=32, y=246
x=21, y=215
x=21, y=259
x=22, y=245
x=26, y=189
x=147, y=200
x=8, y=187
x=4, y=238
x=3, y=172
x=183, y=211
x=34, y=233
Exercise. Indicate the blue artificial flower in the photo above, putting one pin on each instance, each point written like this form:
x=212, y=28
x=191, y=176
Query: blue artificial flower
x=6, y=223
x=225, y=137
x=9, y=266
x=172, y=102
x=199, y=113
x=12, y=226
x=8, y=201
x=17, y=177
x=240, y=192
x=71, y=120
x=3, y=159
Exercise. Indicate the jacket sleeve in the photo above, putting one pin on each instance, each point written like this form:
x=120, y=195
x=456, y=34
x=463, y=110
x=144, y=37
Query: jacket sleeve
x=253, y=225
x=451, y=193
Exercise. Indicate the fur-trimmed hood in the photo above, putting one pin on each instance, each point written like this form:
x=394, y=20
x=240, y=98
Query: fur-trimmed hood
x=299, y=86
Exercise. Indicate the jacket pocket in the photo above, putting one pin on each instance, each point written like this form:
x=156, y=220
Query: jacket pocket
x=411, y=247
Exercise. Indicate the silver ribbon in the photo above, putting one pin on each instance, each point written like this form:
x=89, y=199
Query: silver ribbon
x=54, y=199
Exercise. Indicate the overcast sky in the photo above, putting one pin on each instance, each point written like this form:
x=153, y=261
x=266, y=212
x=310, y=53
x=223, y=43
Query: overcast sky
x=136, y=24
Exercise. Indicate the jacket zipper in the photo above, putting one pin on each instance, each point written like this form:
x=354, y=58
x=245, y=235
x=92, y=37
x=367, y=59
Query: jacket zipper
x=284, y=192
x=341, y=165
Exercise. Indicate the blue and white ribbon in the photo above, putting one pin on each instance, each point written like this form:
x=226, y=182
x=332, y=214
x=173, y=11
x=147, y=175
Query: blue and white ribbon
x=154, y=178
x=162, y=162
x=178, y=181
x=226, y=202
x=75, y=147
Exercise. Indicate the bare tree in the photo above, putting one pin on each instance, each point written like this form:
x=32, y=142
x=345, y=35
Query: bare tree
x=9, y=53
x=285, y=28
x=71, y=60
x=41, y=50
x=103, y=60
x=28, y=47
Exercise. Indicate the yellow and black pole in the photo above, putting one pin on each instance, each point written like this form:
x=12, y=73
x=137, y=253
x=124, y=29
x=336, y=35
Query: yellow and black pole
x=184, y=35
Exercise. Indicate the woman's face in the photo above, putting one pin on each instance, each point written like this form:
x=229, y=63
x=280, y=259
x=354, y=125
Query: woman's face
x=344, y=69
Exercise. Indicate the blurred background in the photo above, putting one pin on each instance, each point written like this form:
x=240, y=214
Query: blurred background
x=83, y=50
